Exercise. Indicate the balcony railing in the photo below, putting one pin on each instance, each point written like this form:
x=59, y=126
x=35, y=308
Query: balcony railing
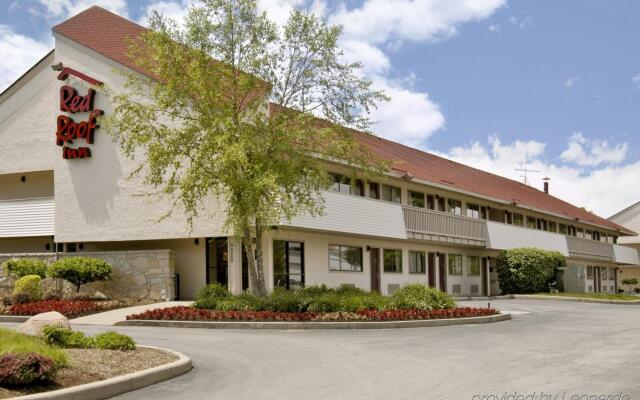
x=443, y=227
x=590, y=249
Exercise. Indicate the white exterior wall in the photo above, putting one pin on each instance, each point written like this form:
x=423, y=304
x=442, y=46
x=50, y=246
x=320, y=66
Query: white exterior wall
x=505, y=237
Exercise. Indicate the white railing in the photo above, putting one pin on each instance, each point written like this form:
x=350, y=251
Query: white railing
x=430, y=222
x=590, y=249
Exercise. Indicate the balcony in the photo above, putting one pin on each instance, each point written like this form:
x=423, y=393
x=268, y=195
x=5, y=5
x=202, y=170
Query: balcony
x=26, y=217
x=505, y=237
x=444, y=227
x=590, y=249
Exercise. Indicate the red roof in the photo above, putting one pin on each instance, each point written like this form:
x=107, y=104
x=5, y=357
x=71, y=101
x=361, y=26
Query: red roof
x=105, y=33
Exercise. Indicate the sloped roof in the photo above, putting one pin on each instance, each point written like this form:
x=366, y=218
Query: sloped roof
x=106, y=33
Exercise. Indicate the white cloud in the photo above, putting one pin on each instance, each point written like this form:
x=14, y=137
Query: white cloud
x=523, y=23
x=493, y=28
x=571, y=81
x=590, y=153
x=19, y=53
x=171, y=9
x=636, y=79
x=604, y=190
x=55, y=9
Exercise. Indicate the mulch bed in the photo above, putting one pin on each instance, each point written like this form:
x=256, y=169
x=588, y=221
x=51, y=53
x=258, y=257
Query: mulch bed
x=182, y=313
x=91, y=365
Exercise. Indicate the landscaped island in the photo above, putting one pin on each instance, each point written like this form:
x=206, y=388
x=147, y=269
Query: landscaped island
x=317, y=303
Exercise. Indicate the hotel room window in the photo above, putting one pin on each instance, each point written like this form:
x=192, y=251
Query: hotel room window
x=474, y=265
x=580, y=233
x=440, y=204
x=562, y=228
x=342, y=184
x=553, y=227
x=508, y=217
x=455, y=264
x=531, y=222
x=589, y=272
x=416, y=199
x=392, y=259
x=518, y=219
x=473, y=210
x=391, y=193
x=374, y=190
x=588, y=234
x=417, y=260
x=454, y=206
x=345, y=258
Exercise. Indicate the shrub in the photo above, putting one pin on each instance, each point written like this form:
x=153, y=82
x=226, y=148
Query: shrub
x=80, y=270
x=19, y=267
x=527, y=270
x=67, y=338
x=283, y=300
x=18, y=369
x=630, y=282
x=29, y=284
x=20, y=298
x=420, y=297
x=14, y=342
x=114, y=341
x=210, y=295
x=69, y=309
x=636, y=290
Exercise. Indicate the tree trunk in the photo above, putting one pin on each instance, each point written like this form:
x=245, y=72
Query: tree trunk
x=255, y=261
x=251, y=261
x=262, y=287
x=78, y=288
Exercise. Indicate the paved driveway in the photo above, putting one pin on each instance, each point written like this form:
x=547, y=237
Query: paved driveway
x=549, y=347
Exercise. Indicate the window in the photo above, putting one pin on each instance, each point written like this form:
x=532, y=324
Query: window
x=473, y=210
x=553, y=227
x=374, y=190
x=440, y=203
x=589, y=272
x=588, y=234
x=518, y=219
x=417, y=262
x=391, y=193
x=342, y=184
x=603, y=274
x=531, y=222
x=392, y=260
x=288, y=264
x=562, y=228
x=474, y=265
x=455, y=264
x=416, y=199
x=454, y=206
x=612, y=274
x=580, y=233
x=596, y=235
x=345, y=258
x=431, y=202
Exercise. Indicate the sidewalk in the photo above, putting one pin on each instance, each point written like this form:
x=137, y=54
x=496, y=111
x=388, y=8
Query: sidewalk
x=120, y=314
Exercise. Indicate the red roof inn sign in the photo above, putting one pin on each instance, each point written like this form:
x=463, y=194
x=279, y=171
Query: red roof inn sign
x=68, y=130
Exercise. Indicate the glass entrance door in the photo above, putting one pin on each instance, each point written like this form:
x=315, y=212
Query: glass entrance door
x=217, y=261
x=288, y=264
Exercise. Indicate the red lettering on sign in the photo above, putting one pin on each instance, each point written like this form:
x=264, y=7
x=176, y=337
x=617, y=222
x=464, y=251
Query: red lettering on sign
x=68, y=129
x=80, y=152
x=71, y=102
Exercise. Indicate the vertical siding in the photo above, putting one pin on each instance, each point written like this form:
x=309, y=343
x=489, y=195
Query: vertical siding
x=626, y=255
x=27, y=217
x=505, y=237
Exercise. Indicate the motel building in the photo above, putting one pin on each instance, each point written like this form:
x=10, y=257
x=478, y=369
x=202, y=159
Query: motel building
x=65, y=191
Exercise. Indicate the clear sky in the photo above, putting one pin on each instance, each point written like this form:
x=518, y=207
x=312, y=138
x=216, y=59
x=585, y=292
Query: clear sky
x=490, y=83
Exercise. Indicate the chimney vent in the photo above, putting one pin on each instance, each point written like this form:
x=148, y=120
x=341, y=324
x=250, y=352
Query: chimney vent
x=546, y=184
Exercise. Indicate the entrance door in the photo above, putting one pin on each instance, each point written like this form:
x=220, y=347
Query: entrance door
x=431, y=269
x=217, y=260
x=442, y=271
x=484, y=272
x=288, y=264
x=374, y=263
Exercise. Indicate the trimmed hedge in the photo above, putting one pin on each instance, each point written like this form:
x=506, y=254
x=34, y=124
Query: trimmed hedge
x=19, y=267
x=29, y=284
x=527, y=270
x=80, y=270
x=67, y=338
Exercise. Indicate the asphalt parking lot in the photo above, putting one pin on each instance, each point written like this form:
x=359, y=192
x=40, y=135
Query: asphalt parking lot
x=554, y=348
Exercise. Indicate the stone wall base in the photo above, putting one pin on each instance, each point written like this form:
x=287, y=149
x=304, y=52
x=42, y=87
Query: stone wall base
x=137, y=274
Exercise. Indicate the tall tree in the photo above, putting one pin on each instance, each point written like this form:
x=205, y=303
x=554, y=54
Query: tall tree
x=200, y=115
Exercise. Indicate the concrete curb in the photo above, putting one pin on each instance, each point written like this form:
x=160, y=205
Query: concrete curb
x=561, y=298
x=318, y=324
x=14, y=318
x=120, y=384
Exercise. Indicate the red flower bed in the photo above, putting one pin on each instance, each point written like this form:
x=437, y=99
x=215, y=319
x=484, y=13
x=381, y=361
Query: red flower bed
x=68, y=308
x=182, y=313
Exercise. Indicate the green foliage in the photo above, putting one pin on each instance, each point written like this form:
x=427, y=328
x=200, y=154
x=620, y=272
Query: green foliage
x=420, y=297
x=630, y=281
x=80, y=270
x=67, y=338
x=114, y=341
x=25, y=369
x=210, y=295
x=29, y=284
x=527, y=270
x=205, y=132
x=19, y=267
x=14, y=342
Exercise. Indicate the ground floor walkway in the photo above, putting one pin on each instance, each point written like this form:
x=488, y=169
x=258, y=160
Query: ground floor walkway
x=111, y=317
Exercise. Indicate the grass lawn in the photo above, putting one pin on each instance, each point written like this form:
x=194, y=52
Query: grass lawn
x=14, y=342
x=599, y=296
